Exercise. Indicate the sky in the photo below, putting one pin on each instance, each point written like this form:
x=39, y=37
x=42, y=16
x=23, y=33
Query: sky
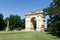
x=20, y=7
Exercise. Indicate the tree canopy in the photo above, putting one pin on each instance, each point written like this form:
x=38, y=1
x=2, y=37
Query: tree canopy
x=2, y=23
x=14, y=22
x=53, y=11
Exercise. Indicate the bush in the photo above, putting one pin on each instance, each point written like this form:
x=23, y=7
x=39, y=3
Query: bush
x=47, y=29
x=19, y=28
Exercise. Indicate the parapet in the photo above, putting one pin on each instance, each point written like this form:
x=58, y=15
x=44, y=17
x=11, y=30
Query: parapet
x=34, y=12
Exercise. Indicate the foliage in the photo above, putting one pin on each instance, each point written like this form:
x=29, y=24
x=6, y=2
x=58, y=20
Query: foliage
x=14, y=22
x=23, y=23
x=18, y=29
x=54, y=16
x=2, y=23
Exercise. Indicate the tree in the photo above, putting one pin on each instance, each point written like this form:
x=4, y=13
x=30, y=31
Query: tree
x=54, y=16
x=14, y=22
x=23, y=23
x=2, y=23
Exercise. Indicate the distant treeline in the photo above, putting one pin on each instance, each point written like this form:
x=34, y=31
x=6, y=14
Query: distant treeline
x=15, y=22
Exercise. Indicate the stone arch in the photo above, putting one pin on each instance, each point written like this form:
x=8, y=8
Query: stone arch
x=30, y=17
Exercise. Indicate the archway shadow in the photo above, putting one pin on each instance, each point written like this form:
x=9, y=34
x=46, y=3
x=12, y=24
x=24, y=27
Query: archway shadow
x=33, y=21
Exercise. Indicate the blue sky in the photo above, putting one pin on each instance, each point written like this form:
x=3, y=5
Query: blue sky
x=19, y=7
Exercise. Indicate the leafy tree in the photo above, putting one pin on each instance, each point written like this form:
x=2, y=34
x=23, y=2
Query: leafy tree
x=14, y=22
x=2, y=23
x=23, y=23
x=54, y=16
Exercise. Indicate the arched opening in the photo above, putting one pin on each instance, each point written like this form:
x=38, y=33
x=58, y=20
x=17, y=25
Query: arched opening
x=33, y=21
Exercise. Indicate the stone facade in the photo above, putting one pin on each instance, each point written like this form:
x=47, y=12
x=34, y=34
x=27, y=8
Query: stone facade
x=39, y=17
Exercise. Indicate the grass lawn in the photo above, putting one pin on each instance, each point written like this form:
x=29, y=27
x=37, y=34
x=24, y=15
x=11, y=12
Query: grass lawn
x=26, y=36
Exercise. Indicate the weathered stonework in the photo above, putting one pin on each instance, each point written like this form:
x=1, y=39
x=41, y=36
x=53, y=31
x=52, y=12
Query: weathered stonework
x=39, y=16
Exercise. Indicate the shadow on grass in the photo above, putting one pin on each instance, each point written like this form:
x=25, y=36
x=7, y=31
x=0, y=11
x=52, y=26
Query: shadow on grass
x=54, y=34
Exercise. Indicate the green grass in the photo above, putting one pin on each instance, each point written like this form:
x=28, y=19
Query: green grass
x=26, y=36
